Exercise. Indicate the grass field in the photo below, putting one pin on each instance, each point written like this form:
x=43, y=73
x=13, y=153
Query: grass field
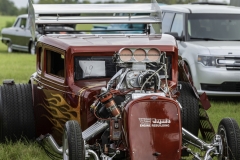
x=6, y=20
x=20, y=66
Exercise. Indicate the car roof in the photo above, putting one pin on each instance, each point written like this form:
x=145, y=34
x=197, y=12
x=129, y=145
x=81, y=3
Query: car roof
x=23, y=16
x=202, y=8
x=80, y=40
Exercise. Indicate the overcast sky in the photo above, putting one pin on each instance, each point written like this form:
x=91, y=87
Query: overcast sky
x=23, y=3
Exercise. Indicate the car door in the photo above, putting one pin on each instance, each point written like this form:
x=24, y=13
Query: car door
x=50, y=105
x=14, y=32
x=23, y=35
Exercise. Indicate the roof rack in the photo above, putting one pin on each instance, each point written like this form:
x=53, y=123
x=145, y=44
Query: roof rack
x=67, y=14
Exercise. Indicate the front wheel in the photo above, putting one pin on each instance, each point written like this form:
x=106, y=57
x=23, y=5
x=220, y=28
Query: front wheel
x=230, y=133
x=9, y=49
x=73, y=145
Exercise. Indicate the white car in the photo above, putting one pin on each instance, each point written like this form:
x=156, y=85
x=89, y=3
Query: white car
x=208, y=38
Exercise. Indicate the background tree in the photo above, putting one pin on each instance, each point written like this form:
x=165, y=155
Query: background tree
x=70, y=1
x=161, y=1
x=8, y=8
x=57, y=1
x=48, y=1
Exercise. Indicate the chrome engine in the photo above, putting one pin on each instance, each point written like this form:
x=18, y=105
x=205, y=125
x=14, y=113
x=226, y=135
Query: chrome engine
x=142, y=70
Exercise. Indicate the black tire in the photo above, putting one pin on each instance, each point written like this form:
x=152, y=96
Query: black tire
x=230, y=132
x=16, y=112
x=190, y=108
x=73, y=144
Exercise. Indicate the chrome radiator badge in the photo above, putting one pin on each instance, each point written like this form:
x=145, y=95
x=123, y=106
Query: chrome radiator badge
x=153, y=122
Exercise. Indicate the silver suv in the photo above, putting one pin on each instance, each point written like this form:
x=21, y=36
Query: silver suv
x=208, y=38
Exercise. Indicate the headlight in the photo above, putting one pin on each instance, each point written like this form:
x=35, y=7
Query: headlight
x=207, y=60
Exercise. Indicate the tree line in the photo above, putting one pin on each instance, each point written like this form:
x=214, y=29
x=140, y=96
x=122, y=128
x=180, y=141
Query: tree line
x=7, y=7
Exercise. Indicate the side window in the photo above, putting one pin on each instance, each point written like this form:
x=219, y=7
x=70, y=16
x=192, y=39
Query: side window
x=23, y=23
x=55, y=63
x=17, y=23
x=167, y=21
x=177, y=25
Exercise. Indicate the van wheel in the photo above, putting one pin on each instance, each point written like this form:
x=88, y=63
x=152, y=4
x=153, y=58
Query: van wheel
x=16, y=112
x=32, y=48
x=230, y=133
x=9, y=49
x=190, y=108
x=73, y=145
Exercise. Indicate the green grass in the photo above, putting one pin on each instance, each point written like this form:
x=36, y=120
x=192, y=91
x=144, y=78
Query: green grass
x=6, y=20
x=22, y=150
x=220, y=109
x=84, y=26
x=20, y=66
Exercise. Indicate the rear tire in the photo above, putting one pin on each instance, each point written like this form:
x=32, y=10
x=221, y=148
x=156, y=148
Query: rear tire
x=230, y=132
x=190, y=108
x=16, y=112
x=73, y=144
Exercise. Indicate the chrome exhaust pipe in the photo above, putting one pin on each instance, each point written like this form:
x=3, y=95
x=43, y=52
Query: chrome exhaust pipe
x=94, y=154
x=195, y=140
x=54, y=144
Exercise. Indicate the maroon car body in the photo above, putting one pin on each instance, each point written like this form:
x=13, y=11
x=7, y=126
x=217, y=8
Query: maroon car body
x=112, y=96
x=79, y=95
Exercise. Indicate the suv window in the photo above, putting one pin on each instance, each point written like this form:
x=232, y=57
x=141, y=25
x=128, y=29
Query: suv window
x=167, y=21
x=214, y=26
x=177, y=25
x=55, y=63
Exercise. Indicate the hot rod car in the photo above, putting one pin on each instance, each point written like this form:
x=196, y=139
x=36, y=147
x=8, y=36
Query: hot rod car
x=112, y=96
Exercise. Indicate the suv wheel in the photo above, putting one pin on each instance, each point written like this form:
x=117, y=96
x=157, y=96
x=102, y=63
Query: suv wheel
x=190, y=108
x=16, y=112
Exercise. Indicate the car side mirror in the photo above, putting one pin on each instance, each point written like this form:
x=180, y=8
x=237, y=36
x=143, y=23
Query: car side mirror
x=175, y=35
x=22, y=26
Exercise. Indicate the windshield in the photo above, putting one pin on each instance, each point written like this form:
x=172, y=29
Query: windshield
x=214, y=27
